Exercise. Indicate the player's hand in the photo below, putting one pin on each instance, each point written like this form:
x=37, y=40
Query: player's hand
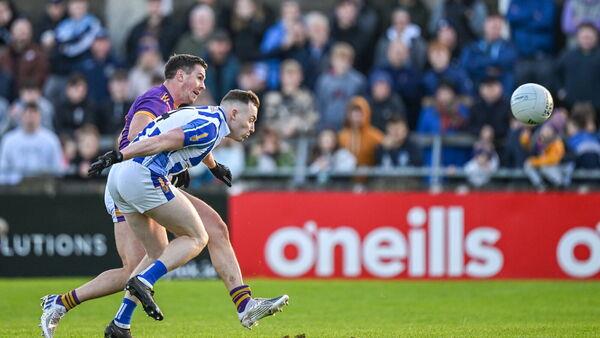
x=223, y=173
x=181, y=180
x=105, y=161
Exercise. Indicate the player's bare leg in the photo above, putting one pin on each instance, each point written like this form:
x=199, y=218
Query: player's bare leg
x=225, y=262
x=180, y=218
x=130, y=251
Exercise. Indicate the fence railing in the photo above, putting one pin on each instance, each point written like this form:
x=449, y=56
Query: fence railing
x=299, y=174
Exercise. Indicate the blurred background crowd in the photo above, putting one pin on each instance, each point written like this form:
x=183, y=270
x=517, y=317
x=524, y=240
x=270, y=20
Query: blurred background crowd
x=384, y=85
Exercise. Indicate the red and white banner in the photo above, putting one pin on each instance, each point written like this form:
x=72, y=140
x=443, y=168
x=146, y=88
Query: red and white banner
x=417, y=235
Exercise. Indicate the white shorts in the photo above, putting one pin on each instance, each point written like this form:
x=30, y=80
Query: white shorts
x=111, y=208
x=134, y=188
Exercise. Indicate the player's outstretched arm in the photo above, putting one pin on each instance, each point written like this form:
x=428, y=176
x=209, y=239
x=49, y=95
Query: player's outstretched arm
x=172, y=140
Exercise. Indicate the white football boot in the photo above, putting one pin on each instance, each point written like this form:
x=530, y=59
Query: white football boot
x=259, y=308
x=51, y=315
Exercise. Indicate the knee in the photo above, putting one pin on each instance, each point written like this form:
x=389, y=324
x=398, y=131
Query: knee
x=200, y=239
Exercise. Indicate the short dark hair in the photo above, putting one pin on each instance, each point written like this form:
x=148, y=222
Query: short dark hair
x=75, y=79
x=244, y=96
x=185, y=62
x=119, y=75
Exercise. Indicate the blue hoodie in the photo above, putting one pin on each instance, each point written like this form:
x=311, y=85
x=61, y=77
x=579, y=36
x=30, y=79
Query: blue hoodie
x=532, y=25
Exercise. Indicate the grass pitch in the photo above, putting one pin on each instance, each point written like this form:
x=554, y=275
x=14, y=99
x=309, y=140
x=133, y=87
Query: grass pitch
x=329, y=309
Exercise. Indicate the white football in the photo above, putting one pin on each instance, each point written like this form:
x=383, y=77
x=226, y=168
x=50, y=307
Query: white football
x=531, y=103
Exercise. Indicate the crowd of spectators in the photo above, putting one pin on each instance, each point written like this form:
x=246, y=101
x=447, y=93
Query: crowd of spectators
x=356, y=80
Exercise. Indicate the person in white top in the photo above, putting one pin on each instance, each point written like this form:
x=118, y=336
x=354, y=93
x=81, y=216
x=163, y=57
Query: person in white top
x=30, y=150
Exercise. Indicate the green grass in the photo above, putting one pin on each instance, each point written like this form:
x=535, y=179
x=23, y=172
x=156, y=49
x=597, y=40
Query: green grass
x=330, y=309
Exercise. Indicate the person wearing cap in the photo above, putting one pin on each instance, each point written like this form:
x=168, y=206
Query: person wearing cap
x=385, y=103
x=100, y=67
x=492, y=109
x=223, y=64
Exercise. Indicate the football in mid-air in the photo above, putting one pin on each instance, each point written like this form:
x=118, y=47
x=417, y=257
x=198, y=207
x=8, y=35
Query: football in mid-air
x=531, y=103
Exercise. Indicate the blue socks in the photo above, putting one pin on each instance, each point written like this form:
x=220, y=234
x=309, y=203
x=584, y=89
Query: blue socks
x=153, y=273
x=123, y=316
x=148, y=277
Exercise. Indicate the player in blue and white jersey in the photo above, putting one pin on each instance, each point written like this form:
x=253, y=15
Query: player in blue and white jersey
x=170, y=144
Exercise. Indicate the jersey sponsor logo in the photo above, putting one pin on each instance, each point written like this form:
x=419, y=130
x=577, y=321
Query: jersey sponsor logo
x=195, y=138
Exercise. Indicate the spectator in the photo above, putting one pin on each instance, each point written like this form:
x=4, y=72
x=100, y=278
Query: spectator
x=410, y=34
x=491, y=56
x=335, y=88
x=466, y=16
x=485, y=160
x=582, y=143
x=31, y=93
x=417, y=9
x=88, y=148
x=271, y=153
x=113, y=110
x=291, y=110
x=329, y=157
x=358, y=135
x=55, y=12
x=532, y=24
x=579, y=69
x=548, y=152
x=577, y=12
x=319, y=44
x=385, y=103
x=75, y=36
x=24, y=59
x=221, y=13
x=223, y=65
x=407, y=79
x=282, y=35
x=347, y=28
x=396, y=149
x=491, y=109
x=202, y=25
x=77, y=110
x=253, y=76
x=8, y=14
x=148, y=64
x=248, y=22
x=447, y=115
x=156, y=24
x=100, y=67
x=442, y=69
x=30, y=150
x=446, y=36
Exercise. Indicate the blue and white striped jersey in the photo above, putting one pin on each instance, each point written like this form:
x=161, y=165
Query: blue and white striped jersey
x=204, y=128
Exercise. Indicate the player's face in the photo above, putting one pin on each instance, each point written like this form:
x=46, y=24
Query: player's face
x=193, y=84
x=243, y=125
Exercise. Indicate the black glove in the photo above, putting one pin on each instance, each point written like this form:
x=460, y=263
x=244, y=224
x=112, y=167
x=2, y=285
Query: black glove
x=105, y=161
x=181, y=180
x=223, y=173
